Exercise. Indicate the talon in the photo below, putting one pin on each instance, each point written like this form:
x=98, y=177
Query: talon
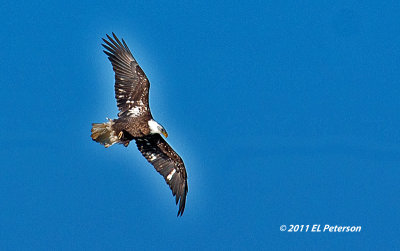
x=120, y=134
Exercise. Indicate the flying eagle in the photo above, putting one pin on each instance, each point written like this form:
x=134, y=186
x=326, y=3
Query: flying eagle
x=135, y=121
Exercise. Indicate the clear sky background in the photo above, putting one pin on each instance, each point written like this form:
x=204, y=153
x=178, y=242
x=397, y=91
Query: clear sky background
x=285, y=112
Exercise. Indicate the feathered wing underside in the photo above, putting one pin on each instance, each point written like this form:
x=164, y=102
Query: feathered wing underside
x=131, y=83
x=168, y=163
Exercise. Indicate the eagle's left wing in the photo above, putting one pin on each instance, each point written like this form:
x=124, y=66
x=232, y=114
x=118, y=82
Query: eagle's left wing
x=168, y=163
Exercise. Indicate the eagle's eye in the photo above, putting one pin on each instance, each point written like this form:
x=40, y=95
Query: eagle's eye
x=163, y=131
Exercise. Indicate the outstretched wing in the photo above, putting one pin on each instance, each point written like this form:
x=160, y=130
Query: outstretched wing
x=131, y=84
x=168, y=163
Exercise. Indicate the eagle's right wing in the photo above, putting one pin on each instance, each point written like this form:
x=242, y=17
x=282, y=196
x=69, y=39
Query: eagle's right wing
x=168, y=163
x=131, y=83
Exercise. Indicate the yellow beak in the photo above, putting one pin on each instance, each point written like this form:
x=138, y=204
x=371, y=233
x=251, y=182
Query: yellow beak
x=165, y=134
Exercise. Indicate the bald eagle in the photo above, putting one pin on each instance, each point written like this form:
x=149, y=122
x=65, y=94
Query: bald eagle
x=135, y=121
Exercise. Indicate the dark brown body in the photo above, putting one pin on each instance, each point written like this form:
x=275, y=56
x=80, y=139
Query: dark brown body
x=128, y=128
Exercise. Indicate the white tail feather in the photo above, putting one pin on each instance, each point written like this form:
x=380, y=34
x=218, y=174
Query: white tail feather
x=104, y=134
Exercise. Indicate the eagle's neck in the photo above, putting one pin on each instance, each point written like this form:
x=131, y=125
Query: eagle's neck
x=154, y=127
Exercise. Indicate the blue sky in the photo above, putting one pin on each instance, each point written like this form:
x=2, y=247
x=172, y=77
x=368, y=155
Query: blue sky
x=284, y=113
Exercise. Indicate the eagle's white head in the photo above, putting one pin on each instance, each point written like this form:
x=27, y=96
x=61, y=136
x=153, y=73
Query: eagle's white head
x=155, y=127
